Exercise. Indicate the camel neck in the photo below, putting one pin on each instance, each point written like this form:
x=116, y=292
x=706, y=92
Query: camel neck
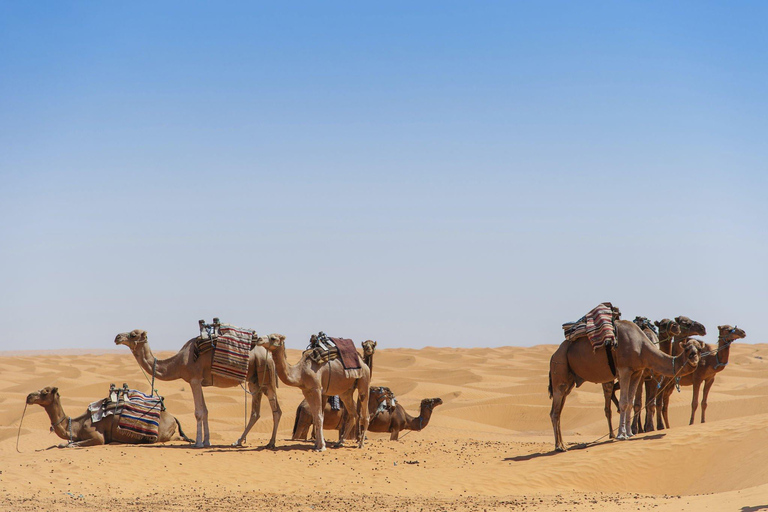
x=160, y=368
x=60, y=422
x=420, y=421
x=289, y=374
x=664, y=364
x=722, y=354
x=368, y=360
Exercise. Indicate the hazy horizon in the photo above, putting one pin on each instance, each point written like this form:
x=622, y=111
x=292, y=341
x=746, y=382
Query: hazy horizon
x=431, y=174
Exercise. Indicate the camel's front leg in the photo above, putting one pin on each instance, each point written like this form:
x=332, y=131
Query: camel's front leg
x=276, y=414
x=625, y=398
x=695, y=399
x=255, y=392
x=96, y=440
x=345, y=428
x=707, y=385
x=363, y=416
x=315, y=400
x=201, y=415
x=650, y=403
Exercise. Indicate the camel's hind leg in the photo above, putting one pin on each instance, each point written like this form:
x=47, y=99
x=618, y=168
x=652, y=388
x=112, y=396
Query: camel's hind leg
x=650, y=404
x=694, y=400
x=348, y=401
x=637, y=409
x=707, y=385
x=255, y=392
x=277, y=413
x=315, y=400
x=608, y=395
x=666, y=395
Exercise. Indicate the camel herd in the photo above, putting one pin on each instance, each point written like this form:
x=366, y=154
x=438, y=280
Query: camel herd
x=656, y=356
x=662, y=362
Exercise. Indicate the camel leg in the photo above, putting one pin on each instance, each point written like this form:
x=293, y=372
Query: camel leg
x=255, y=412
x=559, y=394
x=348, y=402
x=201, y=415
x=650, y=404
x=277, y=413
x=97, y=440
x=695, y=400
x=363, y=389
x=608, y=394
x=665, y=405
x=628, y=380
x=315, y=400
x=637, y=410
x=707, y=385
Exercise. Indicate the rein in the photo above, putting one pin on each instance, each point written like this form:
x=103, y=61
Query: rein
x=54, y=425
x=725, y=345
x=18, y=434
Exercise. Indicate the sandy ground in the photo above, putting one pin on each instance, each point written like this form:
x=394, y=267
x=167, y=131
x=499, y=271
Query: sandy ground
x=489, y=447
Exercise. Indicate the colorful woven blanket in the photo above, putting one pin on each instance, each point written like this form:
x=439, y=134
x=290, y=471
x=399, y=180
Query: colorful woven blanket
x=230, y=357
x=597, y=325
x=140, y=415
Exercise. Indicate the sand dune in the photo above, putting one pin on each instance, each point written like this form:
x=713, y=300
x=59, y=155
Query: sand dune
x=488, y=447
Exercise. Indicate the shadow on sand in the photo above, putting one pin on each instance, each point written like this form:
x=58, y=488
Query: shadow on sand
x=579, y=446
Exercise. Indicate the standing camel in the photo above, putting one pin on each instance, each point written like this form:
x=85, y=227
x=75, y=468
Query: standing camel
x=315, y=380
x=575, y=362
x=81, y=431
x=261, y=379
x=688, y=328
x=713, y=361
x=332, y=420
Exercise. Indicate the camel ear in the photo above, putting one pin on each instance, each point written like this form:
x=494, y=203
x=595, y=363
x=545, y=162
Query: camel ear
x=677, y=319
x=721, y=327
x=54, y=390
x=656, y=323
x=374, y=343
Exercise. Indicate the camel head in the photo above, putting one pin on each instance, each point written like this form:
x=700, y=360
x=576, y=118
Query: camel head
x=271, y=341
x=45, y=396
x=131, y=339
x=431, y=403
x=369, y=347
x=643, y=323
x=690, y=327
x=728, y=334
x=692, y=349
x=668, y=327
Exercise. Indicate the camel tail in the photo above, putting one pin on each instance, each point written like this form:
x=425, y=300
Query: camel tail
x=549, y=388
x=181, y=432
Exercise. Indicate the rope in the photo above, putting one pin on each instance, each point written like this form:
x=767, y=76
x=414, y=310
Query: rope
x=586, y=445
x=18, y=434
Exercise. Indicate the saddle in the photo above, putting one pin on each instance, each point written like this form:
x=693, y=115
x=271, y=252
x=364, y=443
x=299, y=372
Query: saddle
x=323, y=349
x=599, y=325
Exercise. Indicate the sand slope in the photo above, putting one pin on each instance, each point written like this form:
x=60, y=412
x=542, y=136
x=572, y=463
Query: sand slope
x=489, y=447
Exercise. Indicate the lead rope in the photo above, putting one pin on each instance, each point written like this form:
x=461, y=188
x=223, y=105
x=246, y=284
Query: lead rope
x=20, y=422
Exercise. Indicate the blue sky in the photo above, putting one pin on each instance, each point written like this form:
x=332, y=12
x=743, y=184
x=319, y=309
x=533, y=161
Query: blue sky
x=432, y=173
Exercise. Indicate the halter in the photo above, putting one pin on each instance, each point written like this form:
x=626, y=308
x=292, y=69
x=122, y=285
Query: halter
x=725, y=345
x=69, y=426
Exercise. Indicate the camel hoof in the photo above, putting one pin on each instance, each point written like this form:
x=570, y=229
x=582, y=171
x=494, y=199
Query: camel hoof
x=318, y=449
x=622, y=437
x=561, y=449
x=270, y=446
x=199, y=445
x=237, y=444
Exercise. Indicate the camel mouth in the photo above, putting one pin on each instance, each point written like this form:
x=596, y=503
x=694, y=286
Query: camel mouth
x=31, y=398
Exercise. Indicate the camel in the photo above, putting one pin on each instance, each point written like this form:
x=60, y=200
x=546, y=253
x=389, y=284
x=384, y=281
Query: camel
x=335, y=420
x=81, y=431
x=575, y=362
x=393, y=421
x=332, y=420
x=316, y=380
x=713, y=361
x=688, y=328
x=261, y=379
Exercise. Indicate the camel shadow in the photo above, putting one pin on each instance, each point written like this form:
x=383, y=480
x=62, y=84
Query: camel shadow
x=754, y=509
x=577, y=446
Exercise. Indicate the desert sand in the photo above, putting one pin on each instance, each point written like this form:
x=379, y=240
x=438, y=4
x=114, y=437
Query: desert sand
x=489, y=447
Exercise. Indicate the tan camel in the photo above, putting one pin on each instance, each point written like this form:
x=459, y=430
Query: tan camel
x=394, y=421
x=713, y=361
x=332, y=419
x=316, y=380
x=81, y=431
x=688, y=328
x=575, y=362
x=261, y=379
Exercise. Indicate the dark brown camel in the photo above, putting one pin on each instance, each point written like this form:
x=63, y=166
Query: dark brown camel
x=395, y=420
x=575, y=362
x=81, y=431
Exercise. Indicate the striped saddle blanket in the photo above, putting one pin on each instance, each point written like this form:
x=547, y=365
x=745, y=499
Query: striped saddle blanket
x=597, y=325
x=230, y=355
x=139, y=415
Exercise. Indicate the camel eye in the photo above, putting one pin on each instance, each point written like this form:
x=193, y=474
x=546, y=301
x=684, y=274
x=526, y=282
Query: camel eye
x=133, y=335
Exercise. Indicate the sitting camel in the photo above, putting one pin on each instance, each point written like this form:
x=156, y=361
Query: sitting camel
x=261, y=379
x=81, y=431
x=713, y=361
x=315, y=380
x=332, y=419
x=395, y=420
x=575, y=362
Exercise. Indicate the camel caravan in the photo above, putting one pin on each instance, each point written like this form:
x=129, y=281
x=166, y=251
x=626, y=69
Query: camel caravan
x=621, y=355
x=629, y=357
x=329, y=373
